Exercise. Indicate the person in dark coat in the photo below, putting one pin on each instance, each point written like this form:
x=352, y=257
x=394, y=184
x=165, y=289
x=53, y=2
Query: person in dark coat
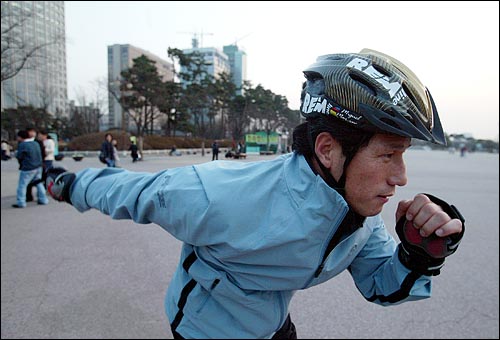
x=133, y=152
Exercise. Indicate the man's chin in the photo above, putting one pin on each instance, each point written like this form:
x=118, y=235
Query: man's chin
x=367, y=212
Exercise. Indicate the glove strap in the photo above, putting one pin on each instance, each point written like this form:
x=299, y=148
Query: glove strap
x=452, y=211
x=426, y=255
x=68, y=180
x=424, y=265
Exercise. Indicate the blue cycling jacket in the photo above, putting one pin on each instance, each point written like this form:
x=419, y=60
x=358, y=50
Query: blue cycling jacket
x=253, y=234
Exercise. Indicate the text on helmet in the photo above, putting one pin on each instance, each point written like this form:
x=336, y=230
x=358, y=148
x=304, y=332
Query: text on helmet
x=322, y=105
x=393, y=88
x=315, y=104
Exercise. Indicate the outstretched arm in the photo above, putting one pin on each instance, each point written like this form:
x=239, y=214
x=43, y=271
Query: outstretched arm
x=173, y=199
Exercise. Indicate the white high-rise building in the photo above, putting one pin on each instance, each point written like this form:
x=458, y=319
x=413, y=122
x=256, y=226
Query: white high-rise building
x=43, y=80
x=231, y=60
x=120, y=58
x=238, y=65
x=217, y=60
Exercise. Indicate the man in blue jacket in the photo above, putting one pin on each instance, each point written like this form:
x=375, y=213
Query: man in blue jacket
x=318, y=207
x=30, y=161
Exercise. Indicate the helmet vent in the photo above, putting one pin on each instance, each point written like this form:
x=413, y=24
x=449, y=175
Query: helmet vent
x=407, y=115
x=391, y=111
x=334, y=57
x=382, y=70
x=409, y=93
x=390, y=122
x=363, y=83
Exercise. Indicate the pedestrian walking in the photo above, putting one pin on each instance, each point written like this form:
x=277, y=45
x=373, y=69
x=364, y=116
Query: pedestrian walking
x=30, y=169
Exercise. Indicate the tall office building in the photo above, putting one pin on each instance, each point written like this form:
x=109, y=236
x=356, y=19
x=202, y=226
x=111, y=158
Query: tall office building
x=217, y=59
x=120, y=58
x=230, y=60
x=238, y=65
x=217, y=63
x=42, y=82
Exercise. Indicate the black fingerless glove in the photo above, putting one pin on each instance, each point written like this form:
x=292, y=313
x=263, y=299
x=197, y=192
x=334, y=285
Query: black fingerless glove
x=426, y=255
x=59, y=184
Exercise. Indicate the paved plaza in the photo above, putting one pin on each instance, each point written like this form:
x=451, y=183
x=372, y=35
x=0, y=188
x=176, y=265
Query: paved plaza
x=71, y=275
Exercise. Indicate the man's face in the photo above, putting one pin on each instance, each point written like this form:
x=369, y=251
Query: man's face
x=374, y=173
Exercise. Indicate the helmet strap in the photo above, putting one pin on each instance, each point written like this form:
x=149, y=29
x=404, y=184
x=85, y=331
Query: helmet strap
x=339, y=185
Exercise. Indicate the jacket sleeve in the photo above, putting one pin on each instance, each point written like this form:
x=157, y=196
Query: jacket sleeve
x=381, y=277
x=21, y=153
x=49, y=148
x=174, y=199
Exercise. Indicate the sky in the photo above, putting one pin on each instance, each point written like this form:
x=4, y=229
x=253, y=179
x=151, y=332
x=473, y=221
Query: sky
x=452, y=46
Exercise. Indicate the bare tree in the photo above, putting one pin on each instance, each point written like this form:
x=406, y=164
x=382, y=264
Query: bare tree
x=137, y=92
x=43, y=98
x=85, y=117
x=46, y=95
x=18, y=52
x=100, y=91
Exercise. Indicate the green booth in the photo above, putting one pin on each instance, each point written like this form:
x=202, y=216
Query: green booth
x=257, y=143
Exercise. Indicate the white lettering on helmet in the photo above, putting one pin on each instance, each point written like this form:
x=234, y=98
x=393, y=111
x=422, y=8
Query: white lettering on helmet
x=320, y=106
x=346, y=115
x=362, y=65
x=358, y=63
x=314, y=104
x=307, y=99
x=400, y=95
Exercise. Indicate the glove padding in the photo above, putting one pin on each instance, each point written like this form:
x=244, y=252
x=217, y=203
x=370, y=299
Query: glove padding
x=58, y=184
x=426, y=255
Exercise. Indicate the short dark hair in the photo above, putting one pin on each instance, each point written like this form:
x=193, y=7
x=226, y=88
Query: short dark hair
x=23, y=134
x=350, y=138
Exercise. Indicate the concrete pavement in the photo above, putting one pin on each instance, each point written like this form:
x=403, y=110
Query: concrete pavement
x=72, y=275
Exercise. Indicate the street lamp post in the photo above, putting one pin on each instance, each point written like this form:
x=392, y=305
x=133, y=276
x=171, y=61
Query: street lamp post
x=172, y=118
x=140, y=145
x=124, y=125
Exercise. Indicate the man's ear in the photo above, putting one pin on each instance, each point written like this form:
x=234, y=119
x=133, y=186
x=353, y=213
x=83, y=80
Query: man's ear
x=323, y=148
x=329, y=151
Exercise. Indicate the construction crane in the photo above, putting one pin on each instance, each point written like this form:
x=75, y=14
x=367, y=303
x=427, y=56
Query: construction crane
x=195, y=42
x=241, y=38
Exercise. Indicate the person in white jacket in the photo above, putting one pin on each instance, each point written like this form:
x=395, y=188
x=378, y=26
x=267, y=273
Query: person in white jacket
x=50, y=148
x=255, y=233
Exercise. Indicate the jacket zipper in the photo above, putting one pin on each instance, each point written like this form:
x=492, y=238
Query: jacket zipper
x=343, y=229
x=325, y=248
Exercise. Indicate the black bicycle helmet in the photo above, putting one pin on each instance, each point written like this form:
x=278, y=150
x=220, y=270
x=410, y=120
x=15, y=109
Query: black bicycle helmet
x=372, y=91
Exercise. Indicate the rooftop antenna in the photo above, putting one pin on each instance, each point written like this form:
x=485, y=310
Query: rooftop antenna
x=195, y=41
